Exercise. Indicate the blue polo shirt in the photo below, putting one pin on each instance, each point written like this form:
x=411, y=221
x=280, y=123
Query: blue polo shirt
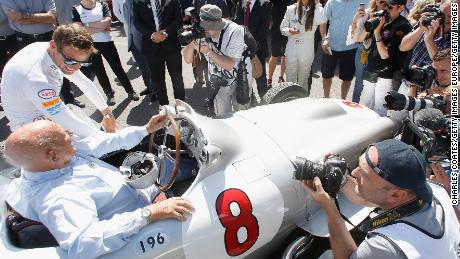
x=340, y=15
x=30, y=6
x=5, y=29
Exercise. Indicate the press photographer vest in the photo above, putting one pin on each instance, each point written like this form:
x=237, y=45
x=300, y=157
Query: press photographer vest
x=417, y=243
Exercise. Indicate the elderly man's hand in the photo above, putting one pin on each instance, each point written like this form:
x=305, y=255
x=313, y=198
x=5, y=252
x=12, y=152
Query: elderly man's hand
x=14, y=15
x=109, y=124
x=440, y=176
x=156, y=122
x=315, y=188
x=177, y=208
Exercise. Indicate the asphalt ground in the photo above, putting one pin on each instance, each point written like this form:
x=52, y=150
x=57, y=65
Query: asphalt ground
x=129, y=113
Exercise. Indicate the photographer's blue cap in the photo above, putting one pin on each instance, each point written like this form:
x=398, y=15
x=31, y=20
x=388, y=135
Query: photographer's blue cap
x=402, y=165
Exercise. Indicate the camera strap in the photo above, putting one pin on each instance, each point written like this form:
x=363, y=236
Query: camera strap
x=392, y=215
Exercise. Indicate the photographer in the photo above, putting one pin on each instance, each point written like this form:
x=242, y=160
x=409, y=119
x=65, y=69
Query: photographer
x=223, y=48
x=413, y=216
x=432, y=34
x=384, y=57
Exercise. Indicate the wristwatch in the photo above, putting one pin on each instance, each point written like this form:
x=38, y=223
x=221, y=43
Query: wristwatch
x=146, y=213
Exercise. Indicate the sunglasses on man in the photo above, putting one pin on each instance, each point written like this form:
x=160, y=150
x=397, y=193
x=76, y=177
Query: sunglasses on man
x=71, y=62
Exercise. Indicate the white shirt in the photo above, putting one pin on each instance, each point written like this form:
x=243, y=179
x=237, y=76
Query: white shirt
x=94, y=15
x=155, y=16
x=87, y=205
x=290, y=20
x=232, y=46
x=30, y=90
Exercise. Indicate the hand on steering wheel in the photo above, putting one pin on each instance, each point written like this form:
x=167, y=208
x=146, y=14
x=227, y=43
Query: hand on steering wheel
x=163, y=152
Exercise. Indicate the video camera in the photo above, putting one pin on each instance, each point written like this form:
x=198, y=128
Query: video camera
x=421, y=76
x=331, y=173
x=371, y=24
x=398, y=102
x=194, y=31
x=434, y=11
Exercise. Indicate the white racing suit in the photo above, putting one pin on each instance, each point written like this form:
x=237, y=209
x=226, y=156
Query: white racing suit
x=300, y=47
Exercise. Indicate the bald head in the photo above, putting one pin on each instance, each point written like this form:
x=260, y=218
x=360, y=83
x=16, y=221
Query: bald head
x=37, y=146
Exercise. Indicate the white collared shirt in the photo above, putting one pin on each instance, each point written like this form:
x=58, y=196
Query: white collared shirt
x=87, y=205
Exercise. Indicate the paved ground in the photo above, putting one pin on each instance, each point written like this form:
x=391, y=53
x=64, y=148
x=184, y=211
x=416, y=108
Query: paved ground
x=137, y=112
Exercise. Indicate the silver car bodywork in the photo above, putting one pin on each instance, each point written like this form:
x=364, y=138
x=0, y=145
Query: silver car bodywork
x=245, y=197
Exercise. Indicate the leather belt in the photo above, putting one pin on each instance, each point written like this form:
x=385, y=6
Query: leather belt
x=34, y=36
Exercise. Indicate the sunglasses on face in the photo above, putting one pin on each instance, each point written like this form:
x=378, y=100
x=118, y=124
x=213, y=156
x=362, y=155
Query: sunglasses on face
x=71, y=62
x=390, y=7
x=382, y=2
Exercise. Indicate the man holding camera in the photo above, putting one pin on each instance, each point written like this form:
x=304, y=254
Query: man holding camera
x=412, y=215
x=384, y=56
x=223, y=48
x=430, y=35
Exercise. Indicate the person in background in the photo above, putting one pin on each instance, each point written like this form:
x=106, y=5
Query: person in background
x=340, y=15
x=299, y=25
x=255, y=15
x=7, y=40
x=278, y=41
x=96, y=18
x=424, y=41
x=159, y=22
x=356, y=28
x=32, y=20
x=134, y=45
x=416, y=11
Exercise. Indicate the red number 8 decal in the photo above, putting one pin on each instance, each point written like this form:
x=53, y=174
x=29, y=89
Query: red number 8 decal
x=233, y=223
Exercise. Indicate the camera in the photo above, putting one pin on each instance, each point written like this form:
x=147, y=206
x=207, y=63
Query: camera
x=194, y=31
x=217, y=81
x=434, y=11
x=421, y=76
x=371, y=24
x=398, y=102
x=331, y=173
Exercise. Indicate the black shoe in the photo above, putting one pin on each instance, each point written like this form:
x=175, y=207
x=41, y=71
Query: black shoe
x=133, y=96
x=146, y=91
x=111, y=100
x=78, y=103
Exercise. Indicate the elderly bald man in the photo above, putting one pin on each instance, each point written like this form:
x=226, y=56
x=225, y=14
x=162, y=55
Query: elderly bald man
x=84, y=202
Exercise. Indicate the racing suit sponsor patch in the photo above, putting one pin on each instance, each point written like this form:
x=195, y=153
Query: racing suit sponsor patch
x=46, y=93
x=53, y=106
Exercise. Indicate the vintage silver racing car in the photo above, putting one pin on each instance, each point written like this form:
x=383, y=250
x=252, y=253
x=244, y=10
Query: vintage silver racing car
x=246, y=199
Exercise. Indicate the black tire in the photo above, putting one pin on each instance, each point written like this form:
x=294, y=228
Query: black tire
x=284, y=92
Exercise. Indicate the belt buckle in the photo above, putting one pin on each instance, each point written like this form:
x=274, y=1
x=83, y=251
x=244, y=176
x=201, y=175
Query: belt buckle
x=2, y=37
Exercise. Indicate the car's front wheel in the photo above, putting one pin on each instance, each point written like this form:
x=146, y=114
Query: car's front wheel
x=284, y=92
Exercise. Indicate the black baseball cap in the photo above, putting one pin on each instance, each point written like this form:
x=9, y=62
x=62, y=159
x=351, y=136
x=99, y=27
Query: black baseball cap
x=396, y=2
x=403, y=166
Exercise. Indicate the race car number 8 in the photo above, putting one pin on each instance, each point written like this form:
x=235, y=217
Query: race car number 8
x=233, y=223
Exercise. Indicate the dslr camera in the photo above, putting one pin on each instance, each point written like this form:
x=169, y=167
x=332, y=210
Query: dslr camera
x=400, y=102
x=217, y=81
x=434, y=11
x=423, y=77
x=371, y=24
x=331, y=173
x=194, y=31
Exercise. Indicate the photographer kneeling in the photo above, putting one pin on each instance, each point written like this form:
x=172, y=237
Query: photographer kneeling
x=223, y=48
x=413, y=216
x=384, y=56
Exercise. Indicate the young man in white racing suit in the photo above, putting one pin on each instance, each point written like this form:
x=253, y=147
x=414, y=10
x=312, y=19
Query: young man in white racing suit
x=32, y=82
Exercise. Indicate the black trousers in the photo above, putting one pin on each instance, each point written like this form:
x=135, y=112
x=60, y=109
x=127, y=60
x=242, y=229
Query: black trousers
x=261, y=82
x=23, y=40
x=8, y=48
x=145, y=70
x=162, y=55
x=110, y=53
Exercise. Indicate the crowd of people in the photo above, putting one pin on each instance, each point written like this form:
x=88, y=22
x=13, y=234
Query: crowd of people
x=47, y=45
